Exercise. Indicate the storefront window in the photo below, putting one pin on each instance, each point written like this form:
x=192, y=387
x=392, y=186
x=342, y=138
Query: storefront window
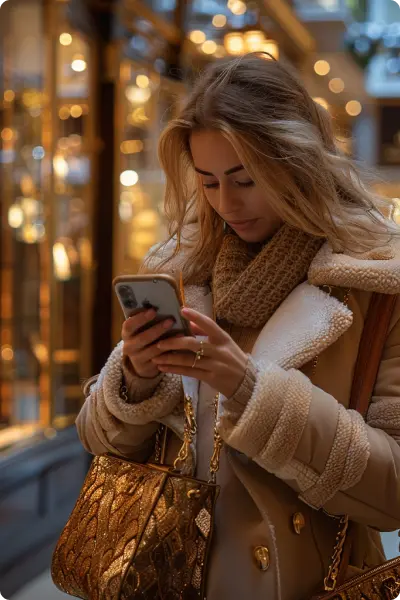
x=45, y=157
x=146, y=102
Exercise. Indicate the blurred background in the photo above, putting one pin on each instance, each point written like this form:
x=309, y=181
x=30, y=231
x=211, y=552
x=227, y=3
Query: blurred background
x=86, y=86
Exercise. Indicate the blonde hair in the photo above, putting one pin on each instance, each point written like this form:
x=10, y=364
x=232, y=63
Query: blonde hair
x=286, y=143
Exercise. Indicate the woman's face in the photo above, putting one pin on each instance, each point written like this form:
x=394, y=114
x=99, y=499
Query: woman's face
x=230, y=190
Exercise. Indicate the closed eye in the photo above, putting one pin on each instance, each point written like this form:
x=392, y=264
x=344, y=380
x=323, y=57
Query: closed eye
x=244, y=184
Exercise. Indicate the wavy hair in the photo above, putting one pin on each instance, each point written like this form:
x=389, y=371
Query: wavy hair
x=286, y=143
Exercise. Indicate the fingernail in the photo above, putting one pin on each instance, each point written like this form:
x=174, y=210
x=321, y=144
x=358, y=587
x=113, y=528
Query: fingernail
x=168, y=323
x=149, y=313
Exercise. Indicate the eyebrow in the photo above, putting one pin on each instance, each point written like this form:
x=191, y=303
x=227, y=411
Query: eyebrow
x=228, y=172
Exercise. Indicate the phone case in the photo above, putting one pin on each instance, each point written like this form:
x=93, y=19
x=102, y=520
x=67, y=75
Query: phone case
x=141, y=292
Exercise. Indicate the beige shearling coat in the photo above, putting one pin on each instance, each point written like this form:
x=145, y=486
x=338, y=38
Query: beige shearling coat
x=296, y=448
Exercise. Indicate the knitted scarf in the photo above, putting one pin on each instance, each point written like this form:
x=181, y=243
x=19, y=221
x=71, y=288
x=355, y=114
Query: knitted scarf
x=246, y=289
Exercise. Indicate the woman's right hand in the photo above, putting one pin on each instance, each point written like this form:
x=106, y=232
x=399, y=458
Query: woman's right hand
x=140, y=348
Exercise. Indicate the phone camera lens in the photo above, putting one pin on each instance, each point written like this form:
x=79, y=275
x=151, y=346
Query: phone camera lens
x=127, y=296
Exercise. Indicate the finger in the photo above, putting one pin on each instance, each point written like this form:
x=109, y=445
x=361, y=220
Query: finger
x=186, y=343
x=196, y=330
x=179, y=359
x=135, y=322
x=153, y=334
x=208, y=326
x=141, y=356
x=185, y=372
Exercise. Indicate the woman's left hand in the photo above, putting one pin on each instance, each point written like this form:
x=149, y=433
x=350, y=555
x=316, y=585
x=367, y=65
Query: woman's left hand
x=222, y=365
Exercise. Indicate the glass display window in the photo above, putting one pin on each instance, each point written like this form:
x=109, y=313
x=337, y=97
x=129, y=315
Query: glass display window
x=146, y=101
x=46, y=143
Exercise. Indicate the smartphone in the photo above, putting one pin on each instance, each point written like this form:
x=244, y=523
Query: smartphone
x=137, y=293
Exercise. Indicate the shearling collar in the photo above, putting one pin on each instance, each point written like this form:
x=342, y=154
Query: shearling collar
x=375, y=271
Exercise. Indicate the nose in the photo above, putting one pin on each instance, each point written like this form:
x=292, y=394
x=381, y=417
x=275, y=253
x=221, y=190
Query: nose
x=229, y=199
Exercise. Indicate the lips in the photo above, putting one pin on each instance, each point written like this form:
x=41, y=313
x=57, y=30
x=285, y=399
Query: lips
x=241, y=223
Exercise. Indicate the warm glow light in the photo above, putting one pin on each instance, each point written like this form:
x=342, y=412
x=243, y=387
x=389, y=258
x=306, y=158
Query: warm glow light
x=7, y=134
x=62, y=266
x=234, y=43
x=79, y=64
x=30, y=207
x=31, y=233
x=353, y=108
x=322, y=67
x=272, y=48
x=146, y=219
x=40, y=351
x=7, y=353
x=209, y=47
x=76, y=111
x=138, y=116
x=321, y=102
x=131, y=146
x=219, y=21
x=237, y=7
x=15, y=216
x=220, y=52
x=137, y=95
x=9, y=96
x=336, y=85
x=254, y=41
x=60, y=165
x=64, y=113
x=125, y=210
x=65, y=39
x=142, y=81
x=129, y=178
x=197, y=37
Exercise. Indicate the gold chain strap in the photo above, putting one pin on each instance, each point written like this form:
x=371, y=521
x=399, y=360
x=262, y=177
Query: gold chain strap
x=190, y=431
x=215, y=458
x=333, y=572
x=330, y=580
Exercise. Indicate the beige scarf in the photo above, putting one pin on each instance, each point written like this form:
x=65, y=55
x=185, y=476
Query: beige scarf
x=247, y=290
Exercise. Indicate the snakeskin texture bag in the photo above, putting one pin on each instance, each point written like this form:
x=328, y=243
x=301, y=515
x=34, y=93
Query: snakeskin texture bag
x=140, y=531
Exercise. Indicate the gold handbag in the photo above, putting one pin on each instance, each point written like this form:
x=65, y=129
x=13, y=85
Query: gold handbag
x=382, y=582
x=140, y=531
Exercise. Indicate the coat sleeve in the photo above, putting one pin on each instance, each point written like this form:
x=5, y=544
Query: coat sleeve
x=109, y=423
x=332, y=458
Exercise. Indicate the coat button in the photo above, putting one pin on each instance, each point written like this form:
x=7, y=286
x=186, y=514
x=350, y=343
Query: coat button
x=299, y=522
x=261, y=555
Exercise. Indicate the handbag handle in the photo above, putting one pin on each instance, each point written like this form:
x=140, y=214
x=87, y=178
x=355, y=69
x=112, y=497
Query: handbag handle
x=370, y=351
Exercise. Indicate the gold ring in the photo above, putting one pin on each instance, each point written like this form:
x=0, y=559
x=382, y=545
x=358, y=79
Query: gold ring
x=199, y=354
x=196, y=358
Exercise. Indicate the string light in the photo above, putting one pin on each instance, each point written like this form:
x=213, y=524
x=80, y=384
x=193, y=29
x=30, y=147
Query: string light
x=209, y=47
x=234, y=43
x=336, y=85
x=197, y=36
x=76, y=111
x=237, y=7
x=9, y=96
x=219, y=21
x=78, y=64
x=65, y=39
x=353, y=108
x=129, y=178
x=322, y=67
x=142, y=81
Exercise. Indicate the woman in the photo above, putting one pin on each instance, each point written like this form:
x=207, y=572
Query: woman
x=277, y=236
